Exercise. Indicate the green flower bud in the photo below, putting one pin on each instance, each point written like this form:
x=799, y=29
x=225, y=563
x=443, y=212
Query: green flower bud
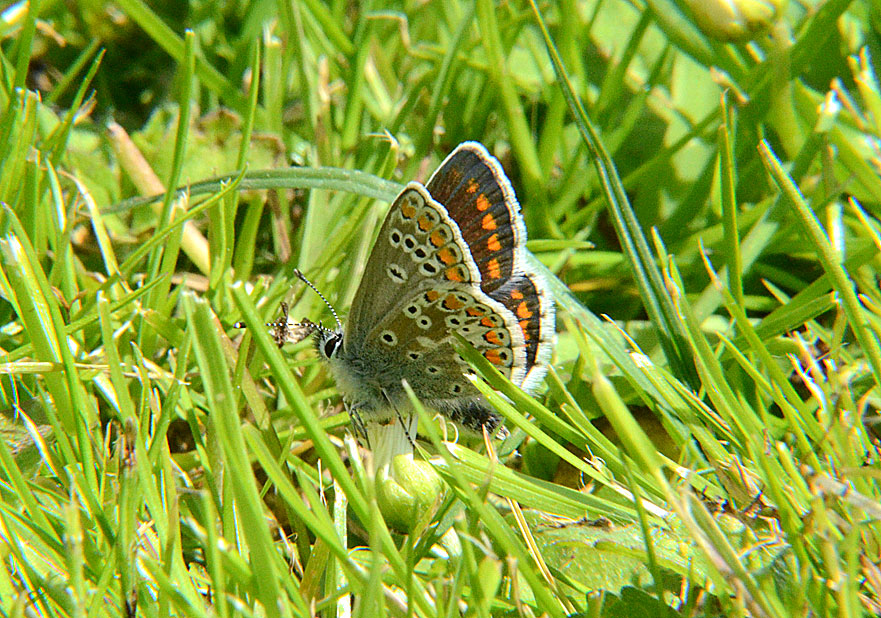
x=407, y=491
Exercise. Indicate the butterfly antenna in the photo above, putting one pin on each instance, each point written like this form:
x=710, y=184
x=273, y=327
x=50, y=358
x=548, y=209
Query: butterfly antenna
x=302, y=277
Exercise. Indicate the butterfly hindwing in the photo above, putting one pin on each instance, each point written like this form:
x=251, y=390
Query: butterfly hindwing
x=527, y=299
x=415, y=342
x=479, y=197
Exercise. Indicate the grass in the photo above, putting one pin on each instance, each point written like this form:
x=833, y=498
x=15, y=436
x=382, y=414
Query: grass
x=705, y=444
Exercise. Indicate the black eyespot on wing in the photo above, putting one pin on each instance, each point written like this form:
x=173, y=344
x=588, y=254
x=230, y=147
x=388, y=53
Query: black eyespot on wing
x=396, y=273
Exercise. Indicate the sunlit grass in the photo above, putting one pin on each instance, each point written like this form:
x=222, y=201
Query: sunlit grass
x=706, y=442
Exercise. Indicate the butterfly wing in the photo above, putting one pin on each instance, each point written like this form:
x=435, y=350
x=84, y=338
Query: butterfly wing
x=479, y=198
x=417, y=246
x=471, y=184
x=414, y=342
x=450, y=265
x=526, y=297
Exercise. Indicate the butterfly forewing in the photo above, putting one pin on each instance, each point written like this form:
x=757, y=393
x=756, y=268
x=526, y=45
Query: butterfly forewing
x=417, y=245
x=427, y=287
x=479, y=198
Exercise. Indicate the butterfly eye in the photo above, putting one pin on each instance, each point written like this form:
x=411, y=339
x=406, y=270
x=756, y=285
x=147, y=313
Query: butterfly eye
x=331, y=345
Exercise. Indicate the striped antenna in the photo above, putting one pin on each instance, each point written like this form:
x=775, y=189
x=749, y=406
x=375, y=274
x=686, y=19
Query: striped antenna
x=302, y=277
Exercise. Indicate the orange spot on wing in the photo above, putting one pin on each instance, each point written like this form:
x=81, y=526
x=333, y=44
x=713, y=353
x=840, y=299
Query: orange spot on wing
x=408, y=210
x=488, y=322
x=474, y=312
x=488, y=222
x=493, y=356
x=446, y=256
x=436, y=238
x=523, y=311
x=424, y=223
x=516, y=294
x=494, y=270
x=492, y=337
x=472, y=186
x=482, y=202
x=524, y=324
x=493, y=243
x=432, y=295
x=455, y=274
x=452, y=303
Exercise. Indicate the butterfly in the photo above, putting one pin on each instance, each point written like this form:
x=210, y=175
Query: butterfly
x=449, y=258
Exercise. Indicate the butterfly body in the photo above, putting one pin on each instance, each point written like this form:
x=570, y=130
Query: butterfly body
x=449, y=258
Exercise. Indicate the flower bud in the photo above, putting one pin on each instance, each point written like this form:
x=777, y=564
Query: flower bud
x=407, y=491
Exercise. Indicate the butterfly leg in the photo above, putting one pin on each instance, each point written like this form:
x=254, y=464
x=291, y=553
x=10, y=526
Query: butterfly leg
x=408, y=427
x=358, y=423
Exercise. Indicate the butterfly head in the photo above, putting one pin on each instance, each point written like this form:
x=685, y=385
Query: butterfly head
x=328, y=342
